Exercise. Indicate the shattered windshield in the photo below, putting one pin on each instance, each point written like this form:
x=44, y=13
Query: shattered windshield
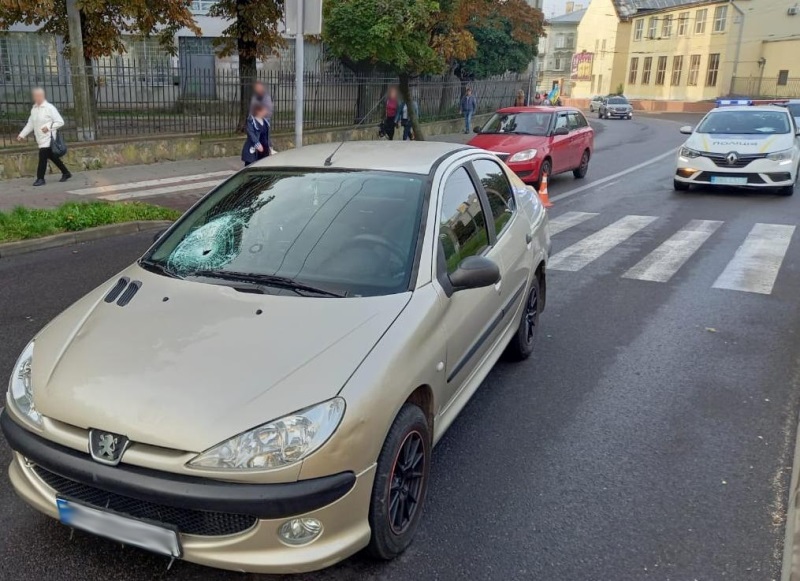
x=334, y=233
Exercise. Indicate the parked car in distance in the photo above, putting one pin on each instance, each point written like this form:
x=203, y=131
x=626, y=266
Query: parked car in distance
x=595, y=103
x=262, y=390
x=616, y=107
x=534, y=141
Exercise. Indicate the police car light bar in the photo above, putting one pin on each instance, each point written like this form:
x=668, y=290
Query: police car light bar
x=733, y=102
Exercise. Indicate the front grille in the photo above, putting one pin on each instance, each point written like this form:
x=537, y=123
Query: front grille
x=744, y=160
x=752, y=178
x=502, y=156
x=190, y=522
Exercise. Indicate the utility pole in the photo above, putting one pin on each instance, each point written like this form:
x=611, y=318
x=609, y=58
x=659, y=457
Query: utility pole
x=84, y=118
x=299, y=63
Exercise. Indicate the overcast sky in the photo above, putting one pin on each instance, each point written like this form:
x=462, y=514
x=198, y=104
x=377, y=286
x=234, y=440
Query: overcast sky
x=557, y=7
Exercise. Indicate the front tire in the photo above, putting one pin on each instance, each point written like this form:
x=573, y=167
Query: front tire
x=580, y=171
x=401, y=483
x=545, y=168
x=680, y=186
x=524, y=341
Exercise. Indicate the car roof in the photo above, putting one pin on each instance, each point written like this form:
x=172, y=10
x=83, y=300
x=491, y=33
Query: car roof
x=749, y=108
x=417, y=157
x=535, y=109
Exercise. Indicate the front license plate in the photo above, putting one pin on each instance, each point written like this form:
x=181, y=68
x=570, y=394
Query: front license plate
x=728, y=181
x=119, y=528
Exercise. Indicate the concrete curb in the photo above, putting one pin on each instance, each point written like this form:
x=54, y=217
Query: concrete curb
x=69, y=238
x=790, y=566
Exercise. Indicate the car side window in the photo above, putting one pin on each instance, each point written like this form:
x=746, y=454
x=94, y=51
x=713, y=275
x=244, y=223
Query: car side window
x=561, y=121
x=498, y=191
x=572, y=121
x=462, y=225
x=576, y=120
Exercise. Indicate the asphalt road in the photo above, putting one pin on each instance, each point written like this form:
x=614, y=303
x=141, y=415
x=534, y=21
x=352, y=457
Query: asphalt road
x=650, y=436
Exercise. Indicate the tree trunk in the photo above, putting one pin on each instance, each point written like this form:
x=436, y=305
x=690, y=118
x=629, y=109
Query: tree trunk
x=405, y=92
x=247, y=70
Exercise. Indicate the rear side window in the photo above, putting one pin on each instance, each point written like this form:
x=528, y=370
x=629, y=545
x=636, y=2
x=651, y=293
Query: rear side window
x=577, y=120
x=498, y=191
x=462, y=225
x=561, y=121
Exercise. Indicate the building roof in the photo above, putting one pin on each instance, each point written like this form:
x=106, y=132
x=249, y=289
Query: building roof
x=573, y=17
x=405, y=156
x=628, y=8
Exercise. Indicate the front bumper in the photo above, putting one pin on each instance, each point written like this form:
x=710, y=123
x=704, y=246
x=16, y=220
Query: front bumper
x=527, y=171
x=760, y=173
x=220, y=524
x=611, y=113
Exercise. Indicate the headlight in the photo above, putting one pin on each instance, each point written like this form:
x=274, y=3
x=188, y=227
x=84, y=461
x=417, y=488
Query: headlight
x=688, y=152
x=785, y=155
x=20, y=386
x=523, y=155
x=277, y=443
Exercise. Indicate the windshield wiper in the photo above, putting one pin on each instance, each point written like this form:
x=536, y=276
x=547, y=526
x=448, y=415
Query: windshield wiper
x=266, y=280
x=158, y=268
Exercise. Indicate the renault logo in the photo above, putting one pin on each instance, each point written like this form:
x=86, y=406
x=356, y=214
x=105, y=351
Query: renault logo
x=106, y=447
x=732, y=158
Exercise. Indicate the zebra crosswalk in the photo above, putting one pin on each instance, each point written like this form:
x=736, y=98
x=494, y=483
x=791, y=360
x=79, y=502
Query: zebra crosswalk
x=156, y=187
x=753, y=268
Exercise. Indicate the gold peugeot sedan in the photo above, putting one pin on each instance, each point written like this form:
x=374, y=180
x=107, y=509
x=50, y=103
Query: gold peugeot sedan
x=261, y=391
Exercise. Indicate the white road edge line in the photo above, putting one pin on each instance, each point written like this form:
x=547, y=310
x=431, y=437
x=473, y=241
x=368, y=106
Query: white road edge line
x=149, y=183
x=663, y=262
x=160, y=191
x=612, y=177
x=756, y=263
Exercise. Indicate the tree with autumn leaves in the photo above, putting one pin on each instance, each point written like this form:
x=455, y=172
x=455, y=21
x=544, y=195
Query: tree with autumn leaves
x=468, y=38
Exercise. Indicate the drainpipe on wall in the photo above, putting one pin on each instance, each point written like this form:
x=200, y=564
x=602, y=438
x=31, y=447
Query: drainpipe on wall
x=738, y=45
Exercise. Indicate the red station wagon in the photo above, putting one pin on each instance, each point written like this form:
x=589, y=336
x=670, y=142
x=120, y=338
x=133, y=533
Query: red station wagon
x=534, y=141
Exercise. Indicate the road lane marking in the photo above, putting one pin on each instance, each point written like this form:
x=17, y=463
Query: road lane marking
x=592, y=247
x=161, y=191
x=149, y=183
x=664, y=261
x=568, y=220
x=755, y=265
x=601, y=181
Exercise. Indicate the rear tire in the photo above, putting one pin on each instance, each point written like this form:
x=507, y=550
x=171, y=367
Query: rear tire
x=680, y=186
x=580, y=171
x=524, y=341
x=401, y=483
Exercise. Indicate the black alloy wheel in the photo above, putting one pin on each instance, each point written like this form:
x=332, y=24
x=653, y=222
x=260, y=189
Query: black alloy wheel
x=406, y=482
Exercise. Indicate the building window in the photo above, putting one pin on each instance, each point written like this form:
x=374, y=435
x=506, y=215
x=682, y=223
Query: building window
x=202, y=6
x=683, y=18
x=648, y=65
x=652, y=27
x=557, y=63
x=713, y=69
x=596, y=45
x=570, y=40
x=677, y=70
x=594, y=78
x=700, y=21
x=666, y=27
x=603, y=46
x=720, y=18
x=783, y=77
x=661, y=70
x=694, y=69
x=634, y=71
x=638, y=29
x=560, y=41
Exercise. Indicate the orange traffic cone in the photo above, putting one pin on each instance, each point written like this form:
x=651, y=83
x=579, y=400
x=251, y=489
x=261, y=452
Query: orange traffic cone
x=543, y=196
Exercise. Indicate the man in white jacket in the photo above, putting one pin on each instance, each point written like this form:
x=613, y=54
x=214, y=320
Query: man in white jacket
x=44, y=122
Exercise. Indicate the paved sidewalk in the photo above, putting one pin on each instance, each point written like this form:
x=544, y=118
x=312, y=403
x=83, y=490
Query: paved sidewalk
x=176, y=184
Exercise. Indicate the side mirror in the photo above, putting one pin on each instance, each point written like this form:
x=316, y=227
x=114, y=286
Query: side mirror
x=477, y=129
x=561, y=131
x=686, y=129
x=475, y=272
x=159, y=234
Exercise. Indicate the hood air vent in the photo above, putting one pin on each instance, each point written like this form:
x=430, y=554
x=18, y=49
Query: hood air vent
x=132, y=289
x=118, y=288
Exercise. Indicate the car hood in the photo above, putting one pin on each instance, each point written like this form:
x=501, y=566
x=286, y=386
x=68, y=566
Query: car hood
x=746, y=143
x=185, y=365
x=507, y=143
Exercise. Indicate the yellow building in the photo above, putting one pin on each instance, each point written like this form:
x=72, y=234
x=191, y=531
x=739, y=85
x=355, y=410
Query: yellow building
x=691, y=50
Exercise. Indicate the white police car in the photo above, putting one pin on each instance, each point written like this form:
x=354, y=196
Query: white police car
x=741, y=145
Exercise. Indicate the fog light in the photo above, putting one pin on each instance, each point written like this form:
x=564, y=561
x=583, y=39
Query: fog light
x=300, y=531
x=687, y=172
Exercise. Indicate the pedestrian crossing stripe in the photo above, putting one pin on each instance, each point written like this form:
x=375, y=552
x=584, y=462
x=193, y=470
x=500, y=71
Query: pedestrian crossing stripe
x=754, y=267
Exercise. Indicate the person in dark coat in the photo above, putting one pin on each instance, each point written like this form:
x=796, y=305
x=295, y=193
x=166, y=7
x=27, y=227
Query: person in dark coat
x=256, y=146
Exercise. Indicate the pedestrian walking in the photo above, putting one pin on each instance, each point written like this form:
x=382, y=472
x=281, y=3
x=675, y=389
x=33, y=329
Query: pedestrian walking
x=520, y=99
x=256, y=146
x=390, y=115
x=44, y=122
x=260, y=97
x=403, y=117
x=468, y=107
x=537, y=99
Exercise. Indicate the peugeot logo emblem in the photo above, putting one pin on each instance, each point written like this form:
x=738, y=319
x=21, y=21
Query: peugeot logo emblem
x=732, y=158
x=106, y=447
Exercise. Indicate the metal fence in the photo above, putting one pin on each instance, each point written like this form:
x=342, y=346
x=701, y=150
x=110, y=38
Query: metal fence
x=134, y=101
x=767, y=87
